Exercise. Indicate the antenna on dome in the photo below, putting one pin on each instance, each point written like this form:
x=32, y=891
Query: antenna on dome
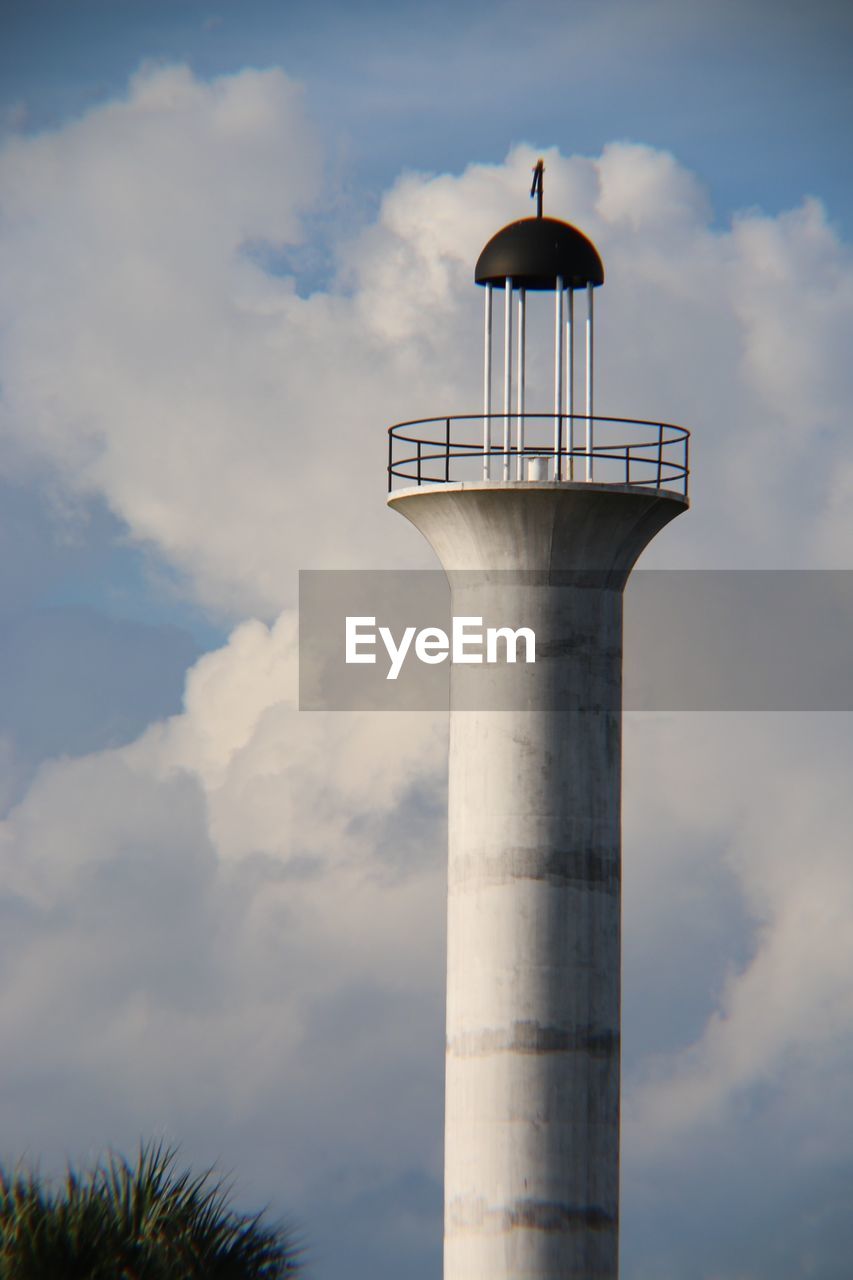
x=538, y=184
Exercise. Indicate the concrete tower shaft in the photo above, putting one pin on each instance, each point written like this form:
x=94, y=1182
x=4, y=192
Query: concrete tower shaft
x=533, y=965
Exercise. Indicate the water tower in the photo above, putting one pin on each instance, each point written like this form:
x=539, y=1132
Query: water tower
x=537, y=519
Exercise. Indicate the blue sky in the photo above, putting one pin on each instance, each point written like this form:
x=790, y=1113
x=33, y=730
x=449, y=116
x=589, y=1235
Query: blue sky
x=756, y=96
x=236, y=241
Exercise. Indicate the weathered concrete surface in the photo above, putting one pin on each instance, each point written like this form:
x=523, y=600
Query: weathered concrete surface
x=532, y=1083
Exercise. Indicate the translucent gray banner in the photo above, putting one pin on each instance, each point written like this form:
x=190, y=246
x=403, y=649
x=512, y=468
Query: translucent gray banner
x=693, y=640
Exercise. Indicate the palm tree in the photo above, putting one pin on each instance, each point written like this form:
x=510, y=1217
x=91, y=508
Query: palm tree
x=142, y=1222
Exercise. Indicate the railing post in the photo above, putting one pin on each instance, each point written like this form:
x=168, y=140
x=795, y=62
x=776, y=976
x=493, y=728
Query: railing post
x=390, y=457
x=686, y=462
x=419, y=463
x=447, y=452
x=627, y=464
x=660, y=452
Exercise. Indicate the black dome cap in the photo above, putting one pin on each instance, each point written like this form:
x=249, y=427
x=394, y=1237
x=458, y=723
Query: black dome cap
x=534, y=252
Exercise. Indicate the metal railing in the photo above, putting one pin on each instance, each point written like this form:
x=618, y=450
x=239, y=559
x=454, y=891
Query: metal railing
x=614, y=451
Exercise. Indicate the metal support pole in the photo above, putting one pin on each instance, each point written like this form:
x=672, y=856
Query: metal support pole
x=507, y=374
x=487, y=382
x=522, y=339
x=558, y=377
x=570, y=376
x=589, y=373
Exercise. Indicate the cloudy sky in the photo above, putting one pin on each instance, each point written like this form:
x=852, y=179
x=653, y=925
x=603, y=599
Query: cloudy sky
x=236, y=241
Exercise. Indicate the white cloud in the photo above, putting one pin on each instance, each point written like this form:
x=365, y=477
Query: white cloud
x=760, y=802
x=202, y=922
x=239, y=427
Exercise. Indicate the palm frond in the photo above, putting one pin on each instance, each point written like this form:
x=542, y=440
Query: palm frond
x=146, y=1221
